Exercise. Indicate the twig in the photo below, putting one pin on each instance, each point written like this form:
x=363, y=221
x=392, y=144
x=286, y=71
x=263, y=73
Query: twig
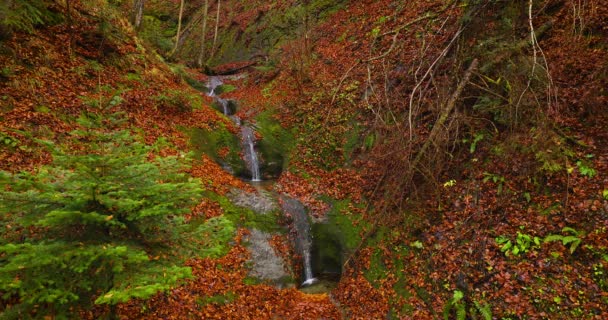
x=426, y=74
x=445, y=113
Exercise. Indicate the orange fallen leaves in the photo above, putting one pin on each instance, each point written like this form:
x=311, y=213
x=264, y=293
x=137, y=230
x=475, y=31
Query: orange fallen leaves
x=224, y=277
x=215, y=178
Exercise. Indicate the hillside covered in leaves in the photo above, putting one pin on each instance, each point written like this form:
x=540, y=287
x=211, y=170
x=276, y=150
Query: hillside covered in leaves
x=452, y=158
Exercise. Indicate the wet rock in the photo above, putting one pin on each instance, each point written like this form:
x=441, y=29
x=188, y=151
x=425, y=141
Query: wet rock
x=266, y=264
x=260, y=202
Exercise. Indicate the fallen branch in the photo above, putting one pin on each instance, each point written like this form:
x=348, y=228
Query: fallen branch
x=445, y=113
x=231, y=71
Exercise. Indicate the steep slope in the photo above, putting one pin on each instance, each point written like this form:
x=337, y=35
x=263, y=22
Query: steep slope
x=484, y=189
x=456, y=149
x=89, y=61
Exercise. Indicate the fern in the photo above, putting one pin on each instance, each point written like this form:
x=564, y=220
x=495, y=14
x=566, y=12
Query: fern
x=455, y=303
x=25, y=15
x=461, y=312
x=572, y=240
x=484, y=310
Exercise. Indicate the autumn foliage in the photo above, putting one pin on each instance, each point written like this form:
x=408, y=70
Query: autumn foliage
x=519, y=161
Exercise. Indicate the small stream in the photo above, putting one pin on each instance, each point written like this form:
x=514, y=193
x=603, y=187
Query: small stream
x=248, y=137
x=301, y=235
x=251, y=156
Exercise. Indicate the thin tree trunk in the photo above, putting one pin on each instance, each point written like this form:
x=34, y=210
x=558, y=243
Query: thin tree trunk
x=445, y=113
x=70, y=23
x=179, y=27
x=201, y=54
x=187, y=28
x=217, y=24
x=138, y=13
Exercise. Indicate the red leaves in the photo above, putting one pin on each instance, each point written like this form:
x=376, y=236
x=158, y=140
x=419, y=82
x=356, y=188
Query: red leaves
x=361, y=300
x=224, y=278
x=216, y=178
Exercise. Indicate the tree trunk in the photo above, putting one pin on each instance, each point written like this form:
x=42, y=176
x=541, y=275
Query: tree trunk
x=217, y=24
x=201, y=54
x=68, y=14
x=179, y=27
x=138, y=13
x=445, y=113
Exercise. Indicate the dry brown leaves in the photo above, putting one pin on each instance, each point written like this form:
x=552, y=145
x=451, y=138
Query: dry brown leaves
x=224, y=277
x=215, y=178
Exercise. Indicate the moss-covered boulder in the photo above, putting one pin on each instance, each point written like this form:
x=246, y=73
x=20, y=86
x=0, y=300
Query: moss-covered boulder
x=275, y=145
x=220, y=145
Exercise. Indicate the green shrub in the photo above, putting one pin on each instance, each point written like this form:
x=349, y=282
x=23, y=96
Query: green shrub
x=522, y=244
x=91, y=221
x=572, y=240
x=25, y=15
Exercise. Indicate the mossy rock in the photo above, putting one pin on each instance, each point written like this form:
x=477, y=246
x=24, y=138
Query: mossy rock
x=327, y=250
x=335, y=239
x=272, y=160
x=245, y=217
x=275, y=146
x=231, y=106
x=211, y=142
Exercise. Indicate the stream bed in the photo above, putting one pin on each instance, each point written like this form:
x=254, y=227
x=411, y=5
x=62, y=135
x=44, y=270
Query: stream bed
x=266, y=265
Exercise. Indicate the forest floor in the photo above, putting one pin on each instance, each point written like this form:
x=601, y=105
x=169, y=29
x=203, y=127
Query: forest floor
x=498, y=236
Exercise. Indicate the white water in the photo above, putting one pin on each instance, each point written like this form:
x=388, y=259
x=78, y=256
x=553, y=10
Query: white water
x=247, y=134
x=302, y=239
x=252, y=156
x=215, y=82
x=308, y=277
x=224, y=104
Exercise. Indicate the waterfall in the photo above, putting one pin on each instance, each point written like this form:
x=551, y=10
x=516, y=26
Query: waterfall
x=213, y=83
x=308, y=278
x=247, y=133
x=251, y=157
x=302, y=238
x=224, y=104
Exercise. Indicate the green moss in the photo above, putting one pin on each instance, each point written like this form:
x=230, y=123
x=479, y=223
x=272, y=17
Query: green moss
x=157, y=32
x=276, y=144
x=336, y=239
x=180, y=100
x=342, y=220
x=244, y=217
x=220, y=299
x=251, y=281
x=352, y=141
x=210, y=142
x=224, y=88
x=198, y=85
x=269, y=31
x=377, y=270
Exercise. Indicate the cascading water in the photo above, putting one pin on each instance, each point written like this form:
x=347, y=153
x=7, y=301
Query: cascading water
x=251, y=157
x=302, y=232
x=224, y=104
x=215, y=82
x=247, y=133
x=302, y=239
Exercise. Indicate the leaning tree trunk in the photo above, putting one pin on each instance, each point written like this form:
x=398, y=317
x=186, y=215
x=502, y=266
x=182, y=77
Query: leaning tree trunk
x=217, y=24
x=138, y=13
x=201, y=54
x=179, y=27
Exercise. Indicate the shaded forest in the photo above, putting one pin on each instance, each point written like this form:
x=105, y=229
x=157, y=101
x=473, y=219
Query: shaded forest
x=305, y=159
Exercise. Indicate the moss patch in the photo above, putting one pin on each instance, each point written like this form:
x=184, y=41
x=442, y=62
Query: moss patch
x=244, y=217
x=336, y=239
x=215, y=142
x=276, y=144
